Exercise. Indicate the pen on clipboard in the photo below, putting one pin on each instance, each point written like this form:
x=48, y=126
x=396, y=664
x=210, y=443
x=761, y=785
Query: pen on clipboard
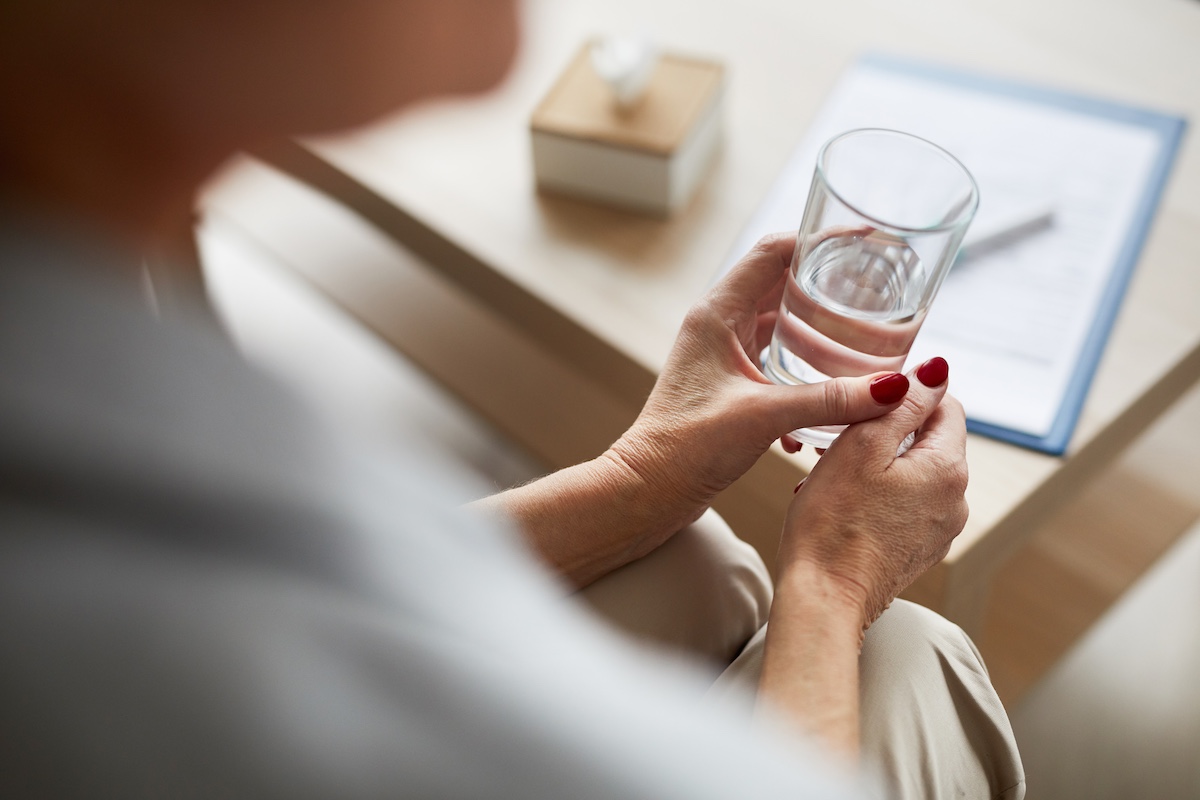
x=1003, y=230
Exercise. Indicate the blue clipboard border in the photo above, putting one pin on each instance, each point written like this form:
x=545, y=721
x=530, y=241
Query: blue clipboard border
x=1168, y=128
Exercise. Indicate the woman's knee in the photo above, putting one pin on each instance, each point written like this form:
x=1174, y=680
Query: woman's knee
x=931, y=719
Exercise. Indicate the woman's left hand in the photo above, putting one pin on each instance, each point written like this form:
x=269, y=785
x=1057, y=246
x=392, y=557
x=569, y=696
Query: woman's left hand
x=713, y=413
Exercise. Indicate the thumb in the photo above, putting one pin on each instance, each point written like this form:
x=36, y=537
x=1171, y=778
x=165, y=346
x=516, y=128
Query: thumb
x=756, y=274
x=837, y=401
x=885, y=435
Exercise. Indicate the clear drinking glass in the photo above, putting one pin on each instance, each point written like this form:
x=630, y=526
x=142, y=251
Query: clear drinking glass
x=885, y=216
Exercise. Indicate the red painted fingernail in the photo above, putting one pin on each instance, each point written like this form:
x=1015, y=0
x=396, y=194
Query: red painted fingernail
x=888, y=389
x=933, y=372
x=798, y=485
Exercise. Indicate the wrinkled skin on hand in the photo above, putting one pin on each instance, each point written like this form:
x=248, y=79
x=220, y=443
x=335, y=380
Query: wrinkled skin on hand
x=875, y=521
x=712, y=413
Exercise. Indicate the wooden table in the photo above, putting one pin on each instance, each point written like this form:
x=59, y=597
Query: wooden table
x=552, y=316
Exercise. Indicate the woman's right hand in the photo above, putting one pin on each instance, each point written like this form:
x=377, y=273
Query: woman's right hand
x=872, y=520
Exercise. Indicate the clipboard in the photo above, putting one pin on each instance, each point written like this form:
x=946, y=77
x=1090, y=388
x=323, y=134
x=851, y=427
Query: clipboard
x=1024, y=325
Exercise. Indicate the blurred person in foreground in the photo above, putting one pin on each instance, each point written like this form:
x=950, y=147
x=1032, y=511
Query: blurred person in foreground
x=209, y=592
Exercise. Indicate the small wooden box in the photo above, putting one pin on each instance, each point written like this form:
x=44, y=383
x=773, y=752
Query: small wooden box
x=650, y=157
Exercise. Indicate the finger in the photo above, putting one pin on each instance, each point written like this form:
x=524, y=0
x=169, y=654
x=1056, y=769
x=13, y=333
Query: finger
x=764, y=330
x=789, y=443
x=783, y=247
x=757, y=280
x=883, y=436
x=773, y=297
x=757, y=276
x=837, y=401
x=944, y=431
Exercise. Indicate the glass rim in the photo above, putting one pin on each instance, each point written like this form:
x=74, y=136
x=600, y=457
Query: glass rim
x=965, y=214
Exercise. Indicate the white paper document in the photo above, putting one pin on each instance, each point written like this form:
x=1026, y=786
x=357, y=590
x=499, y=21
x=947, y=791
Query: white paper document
x=1017, y=321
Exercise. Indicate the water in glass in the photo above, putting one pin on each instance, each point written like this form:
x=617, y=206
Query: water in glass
x=851, y=307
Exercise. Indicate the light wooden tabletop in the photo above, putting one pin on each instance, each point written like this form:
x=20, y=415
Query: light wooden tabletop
x=604, y=291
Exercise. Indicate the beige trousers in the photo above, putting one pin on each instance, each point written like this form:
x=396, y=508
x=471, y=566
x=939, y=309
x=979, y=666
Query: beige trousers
x=932, y=724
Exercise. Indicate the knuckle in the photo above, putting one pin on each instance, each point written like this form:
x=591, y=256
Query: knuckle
x=768, y=243
x=958, y=476
x=951, y=481
x=956, y=520
x=857, y=438
x=914, y=405
x=775, y=247
x=838, y=398
x=697, y=316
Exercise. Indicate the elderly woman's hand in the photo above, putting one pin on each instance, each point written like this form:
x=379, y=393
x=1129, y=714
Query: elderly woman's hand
x=871, y=521
x=712, y=413
x=865, y=523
